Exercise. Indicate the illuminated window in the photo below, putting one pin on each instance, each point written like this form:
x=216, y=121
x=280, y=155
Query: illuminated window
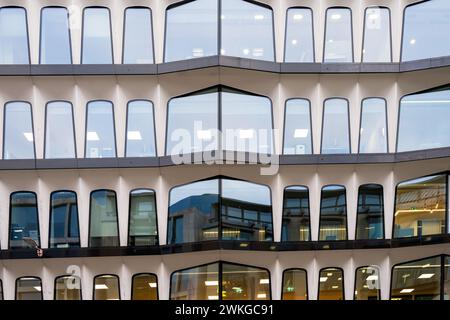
x=331, y=284
x=299, y=42
x=335, y=127
x=333, y=214
x=367, y=284
x=297, y=127
x=68, y=288
x=373, y=130
x=338, y=45
x=106, y=287
x=296, y=216
x=144, y=287
x=140, y=140
x=295, y=285
x=100, y=130
x=29, y=288
x=377, y=35
x=143, y=229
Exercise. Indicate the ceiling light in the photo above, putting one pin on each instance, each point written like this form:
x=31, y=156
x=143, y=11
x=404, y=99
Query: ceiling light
x=301, y=133
x=259, y=17
x=335, y=16
x=211, y=283
x=246, y=51
x=261, y=296
x=323, y=279
x=213, y=297
x=153, y=284
x=426, y=276
x=329, y=274
x=298, y=16
x=92, y=136
x=38, y=288
x=264, y=281
x=406, y=290
x=101, y=287
x=412, y=41
x=28, y=136
x=204, y=134
x=222, y=16
x=334, y=287
x=246, y=134
x=134, y=135
x=294, y=42
x=372, y=277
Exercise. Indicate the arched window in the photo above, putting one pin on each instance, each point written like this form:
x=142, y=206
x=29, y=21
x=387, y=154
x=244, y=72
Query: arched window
x=144, y=287
x=55, y=47
x=299, y=41
x=143, y=227
x=295, y=285
x=97, y=42
x=373, y=130
x=367, y=283
x=59, y=131
x=138, y=36
x=64, y=226
x=24, y=220
x=377, y=35
x=18, y=139
x=335, y=127
x=297, y=127
x=67, y=288
x=140, y=140
x=296, y=216
x=103, y=225
x=29, y=288
x=370, y=213
x=106, y=287
x=333, y=213
x=100, y=130
x=331, y=284
x=13, y=36
x=338, y=46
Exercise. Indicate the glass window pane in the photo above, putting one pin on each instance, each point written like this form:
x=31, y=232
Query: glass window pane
x=295, y=285
x=55, y=36
x=297, y=127
x=446, y=278
x=200, y=283
x=143, y=230
x=1, y=290
x=338, y=36
x=103, y=228
x=145, y=287
x=100, y=130
x=106, y=287
x=97, y=43
x=64, y=230
x=247, y=30
x=425, y=30
x=28, y=288
x=423, y=121
x=333, y=214
x=246, y=211
x=191, y=30
x=24, y=223
x=68, y=288
x=244, y=283
x=373, y=132
x=13, y=36
x=367, y=284
x=417, y=280
x=59, y=131
x=296, y=223
x=331, y=284
x=420, y=207
x=138, y=36
x=377, y=35
x=140, y=130
x=18, y=140
x=370, y=222
x=299, y=45
x=335, y=127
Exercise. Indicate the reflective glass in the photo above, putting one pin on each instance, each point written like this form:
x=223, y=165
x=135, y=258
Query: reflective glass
x=373, y=132
x=143, y=230
x=106, y=287
x=331, y=284
x=18, y=140
x=103, y=228
x=55, y=36
x=140, y=130
x=64, y=230
x=97, y=43
x=13, y=36
x=28, y=288
x=59, y=131
x=367, y=284
x=338, y=36
x=295, y=285
x=377, y=35
x=138, y=37
x=24, y=224
x=100, y=130
x=299, y=45
x=296, y=216
x=335, y=127
x=446, y=283
x=199, y=283
x=370, y=224
x=244, y=283
x=68, y=288
x=333, y=214
x=145, y=287
x=297, y=127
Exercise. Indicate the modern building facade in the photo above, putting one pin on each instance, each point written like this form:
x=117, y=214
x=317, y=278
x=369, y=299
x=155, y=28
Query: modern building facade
x=224, y=149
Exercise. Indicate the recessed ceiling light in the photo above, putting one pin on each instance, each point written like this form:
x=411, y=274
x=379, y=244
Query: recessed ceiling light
x=213, y=297
x=259, y=17
x=261, y=296
x=372, y=277
x=38, y=288
x=336, y=16
x=211, y=283
x=406, y=290
x=101, y=287
x=246, y=51
x=323, y=279
x=92, y=136
x=153, y=284
x=298, y=16
x=134, y=135
x=334, y=287
x=301, y=133
x=264, y=281
x=294, y=42
x=412, y=41
x=426, y=276
x=28, y=136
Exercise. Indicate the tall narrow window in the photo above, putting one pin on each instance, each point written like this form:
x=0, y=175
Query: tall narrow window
x=299, y=42
x=373, y=131
x=338, y=45
x=191, y=30
x=64, y=228
x=97, y=42
x=143, y=229
x=370, y=224
x=144, y=287
x=297, y=127
x=138, y=36
x=13, y=36
x=18, y=139
x=331, y=284
x=367, y=283
x=55, y=36
x=295, y=285
x=67, y=288
x=420, y=207
x=296, y=217
x=59, y=131
x=377, y=35
x=24, y=220
x=104, y=226
x=335, y=127
x=100, y=130
x=106, y=287
x=333, y=214
x=254, y=283
x=140, y=130
x=29, y=288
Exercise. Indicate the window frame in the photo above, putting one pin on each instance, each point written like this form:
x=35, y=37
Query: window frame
x=386, y=122
x=282, y=215
x=351, y=35
x=90, y=216
x=379, y=281
x=342, y=281
x=346, y=214
x=102, y=275
x=283, y=277
x=284, y=124
x=349, y=132
x=148, y=274
x=129, y=216
x=27, y=28
x=382, y=214
x=285, y=38
x=64, y=276
x=390, y=32
x=35, y=278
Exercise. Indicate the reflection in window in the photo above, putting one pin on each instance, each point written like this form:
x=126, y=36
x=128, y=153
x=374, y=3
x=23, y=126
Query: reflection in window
x=297, y=127
x=247, y=30
x=28, y=288
x=335, y=127
x=299, y=42
x=369, y=224
x=333, y=214
x=100, y=130
x=55, y=36
x=104, y=227
x=140, y=130
x=239, y=282
x=191, y=30
x=420, y=207
x=423, y=120
x=373, y=132
x=367, y=284
x=18, y=140
x=296, y=223
x=144, y=287
x=138, y=36
x=377, y=35
x=295, y=285
x=97, y=43
x=59, y=131
x=338, y=36
x=64, y=229
x=425, y=30
x=13, y=36
x=68, y=288
x=143, y=229
x=331, y=284
x=24, y=220
x=106, y=287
